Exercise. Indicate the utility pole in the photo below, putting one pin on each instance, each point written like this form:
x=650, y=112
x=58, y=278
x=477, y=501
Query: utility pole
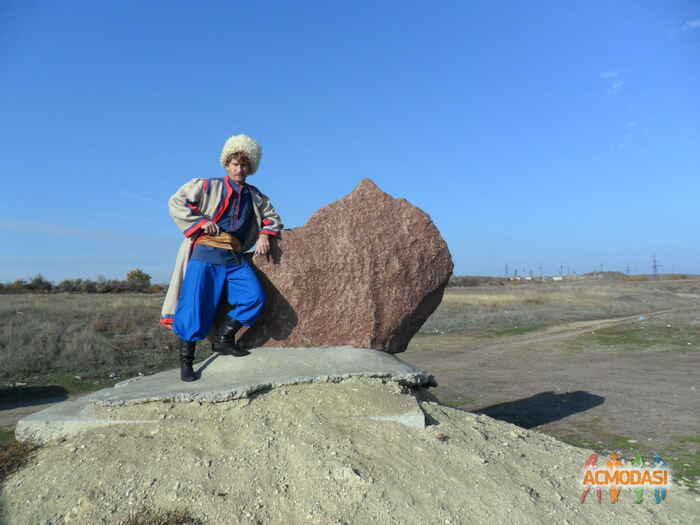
x=628, y=270
x=655, y=266
x=506, y=270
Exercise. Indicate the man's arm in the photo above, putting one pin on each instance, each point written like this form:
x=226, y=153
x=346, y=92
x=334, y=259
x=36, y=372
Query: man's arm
x=184, y=207
x=271, y=222
x=271, y=226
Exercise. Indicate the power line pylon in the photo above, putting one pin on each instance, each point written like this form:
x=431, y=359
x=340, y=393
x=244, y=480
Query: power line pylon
x=655, y=266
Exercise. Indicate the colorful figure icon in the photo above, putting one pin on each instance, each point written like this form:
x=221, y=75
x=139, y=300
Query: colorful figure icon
x=638, y=492
x=612, y=464
x=591, y=462
x=659, y=493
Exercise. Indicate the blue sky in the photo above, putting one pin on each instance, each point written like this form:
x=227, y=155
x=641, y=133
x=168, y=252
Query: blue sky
x=534, y=134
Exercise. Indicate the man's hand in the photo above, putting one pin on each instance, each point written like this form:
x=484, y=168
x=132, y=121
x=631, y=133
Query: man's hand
x=263, y=245
x=211, y=228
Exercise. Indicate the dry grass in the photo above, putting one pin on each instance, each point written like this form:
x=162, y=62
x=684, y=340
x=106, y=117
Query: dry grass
x=487, y=310
x=561, y=294
x=13, y=456
x=94, y=335
x=146, y=516
x=86, y=335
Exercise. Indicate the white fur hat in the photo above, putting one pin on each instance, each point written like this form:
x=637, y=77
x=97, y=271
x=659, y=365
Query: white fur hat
x=244, y=144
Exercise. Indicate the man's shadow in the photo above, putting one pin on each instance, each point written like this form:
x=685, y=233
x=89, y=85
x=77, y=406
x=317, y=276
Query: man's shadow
x=24, y=396
x=542, y=408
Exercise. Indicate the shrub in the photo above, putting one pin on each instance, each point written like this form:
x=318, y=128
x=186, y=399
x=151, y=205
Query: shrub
x=13, y=456
x=64, y=286
x=148, y=516
x=138, y=280
x=88, y=286
x=39, y=284
x=19, y=285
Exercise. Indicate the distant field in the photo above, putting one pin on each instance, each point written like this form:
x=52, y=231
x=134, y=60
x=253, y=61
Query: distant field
x=489, y=310
x=95, y=335
x=88, y=335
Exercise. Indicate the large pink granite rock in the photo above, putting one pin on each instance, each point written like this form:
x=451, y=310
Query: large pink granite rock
x=365, y=271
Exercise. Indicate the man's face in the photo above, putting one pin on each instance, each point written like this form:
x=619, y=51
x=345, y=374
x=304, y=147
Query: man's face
x=236, y=171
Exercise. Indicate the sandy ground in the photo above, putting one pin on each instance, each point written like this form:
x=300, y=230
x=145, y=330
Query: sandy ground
x=309, y=454
x=647, y=395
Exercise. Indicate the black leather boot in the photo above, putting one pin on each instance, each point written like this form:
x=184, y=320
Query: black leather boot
x=186, y=360
x=226, y=341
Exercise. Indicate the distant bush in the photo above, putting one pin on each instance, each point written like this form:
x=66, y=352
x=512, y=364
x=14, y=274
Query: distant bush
x=469, y=280
x=136, y=281
x=88, y=286
x=69, y=285
x=19, y=285
x=39, y=284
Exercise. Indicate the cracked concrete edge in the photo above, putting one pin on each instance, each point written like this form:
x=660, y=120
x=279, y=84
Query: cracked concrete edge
x=72, y=417
x=413, y=380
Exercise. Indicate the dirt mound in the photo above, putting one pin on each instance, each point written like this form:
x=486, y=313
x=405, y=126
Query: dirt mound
x=311, y=454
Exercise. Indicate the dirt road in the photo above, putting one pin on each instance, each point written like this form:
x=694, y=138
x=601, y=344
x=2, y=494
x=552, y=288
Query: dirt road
x=562, y=382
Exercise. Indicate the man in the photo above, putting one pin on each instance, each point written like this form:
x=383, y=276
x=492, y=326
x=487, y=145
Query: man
x=221, y=218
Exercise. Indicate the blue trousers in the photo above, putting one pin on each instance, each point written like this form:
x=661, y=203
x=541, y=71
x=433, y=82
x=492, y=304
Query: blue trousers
x=201, y=293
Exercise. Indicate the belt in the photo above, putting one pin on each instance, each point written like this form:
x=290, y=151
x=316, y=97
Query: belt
x=224, y=240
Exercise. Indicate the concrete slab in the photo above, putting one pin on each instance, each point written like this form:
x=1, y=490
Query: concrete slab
x=225, y=378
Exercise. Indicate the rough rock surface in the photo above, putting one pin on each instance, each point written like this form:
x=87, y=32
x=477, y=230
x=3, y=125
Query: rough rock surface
x=365, y=271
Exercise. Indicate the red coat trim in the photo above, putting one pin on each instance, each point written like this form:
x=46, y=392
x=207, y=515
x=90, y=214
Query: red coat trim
x=189, y=232
x=194, y=208
x=229, y=191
